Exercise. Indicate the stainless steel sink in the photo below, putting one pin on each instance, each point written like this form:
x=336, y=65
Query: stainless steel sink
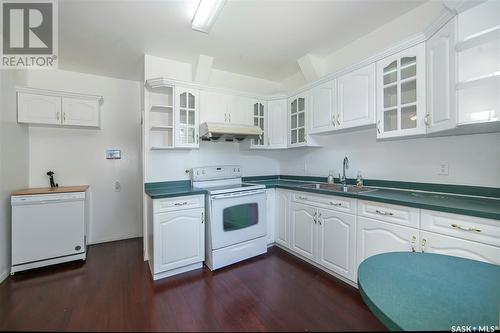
x=339, y=188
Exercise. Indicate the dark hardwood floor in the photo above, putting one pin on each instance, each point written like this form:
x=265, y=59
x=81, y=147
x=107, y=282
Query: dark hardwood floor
x=113, y=291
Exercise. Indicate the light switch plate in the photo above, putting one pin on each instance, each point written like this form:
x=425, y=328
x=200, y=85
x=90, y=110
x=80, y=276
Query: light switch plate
x=113, y=154
x=444, y=169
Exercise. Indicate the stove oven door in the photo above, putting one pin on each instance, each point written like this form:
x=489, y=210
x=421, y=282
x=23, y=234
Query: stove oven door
x=237, y=217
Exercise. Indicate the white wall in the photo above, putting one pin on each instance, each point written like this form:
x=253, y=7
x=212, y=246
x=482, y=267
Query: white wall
x=473, y=159
x=77, y=156
x=13, y=160
x=391, y=33
x=163, y=165
x=162, y=67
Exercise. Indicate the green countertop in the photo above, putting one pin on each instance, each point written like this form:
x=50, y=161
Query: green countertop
x=172, y=189
x=458, y=204
x=449, y=203
x=424, y=291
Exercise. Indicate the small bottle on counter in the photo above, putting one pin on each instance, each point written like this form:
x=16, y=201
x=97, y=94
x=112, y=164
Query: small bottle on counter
x=329, y=180
x=359, y=180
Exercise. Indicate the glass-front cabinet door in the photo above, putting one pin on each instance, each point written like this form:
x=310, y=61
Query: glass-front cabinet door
x=259, y=113
x=401, y=93
x=186, y=118
x=297, y=121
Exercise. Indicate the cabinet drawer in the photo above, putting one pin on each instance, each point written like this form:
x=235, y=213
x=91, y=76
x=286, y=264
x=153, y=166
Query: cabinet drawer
x=467, y=227
x=178, y=203
x=342, y=204
x=401, y=215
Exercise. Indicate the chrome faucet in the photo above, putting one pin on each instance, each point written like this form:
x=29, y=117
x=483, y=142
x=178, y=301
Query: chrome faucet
x=345, y=165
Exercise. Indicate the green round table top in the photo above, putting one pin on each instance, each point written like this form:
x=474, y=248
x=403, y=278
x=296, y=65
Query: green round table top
x=425, y=291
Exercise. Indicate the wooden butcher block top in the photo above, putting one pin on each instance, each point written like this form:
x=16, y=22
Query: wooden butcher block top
x=49, y=190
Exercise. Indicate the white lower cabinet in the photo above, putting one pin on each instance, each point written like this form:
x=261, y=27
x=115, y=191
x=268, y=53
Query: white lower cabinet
x=337, y=242
x=270, y=214
x=452, y=246
x=178, y=235
x=282, y=236
x=302, y=221
x=375, y=237
x=324, y=236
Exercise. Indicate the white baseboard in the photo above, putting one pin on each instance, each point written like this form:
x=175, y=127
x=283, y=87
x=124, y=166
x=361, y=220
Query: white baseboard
x=4, y=275
x=114, y=238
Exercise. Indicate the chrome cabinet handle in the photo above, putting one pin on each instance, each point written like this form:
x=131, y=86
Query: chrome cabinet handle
x=302, y=198
x=338, y=204
x=338, y=121
x=319, y=218
x=229, y=115
x=413, y=240
x=64, y=116
x=225, y=117
x=181, y=203
x=202, y=217
x=381, y=212
x=314, y=217
x=57, y=116
x=424, y=242
x=333, y=120
x=457, y=226
x=378, y=127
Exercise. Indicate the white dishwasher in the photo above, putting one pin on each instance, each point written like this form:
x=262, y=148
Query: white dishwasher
x=47, y=229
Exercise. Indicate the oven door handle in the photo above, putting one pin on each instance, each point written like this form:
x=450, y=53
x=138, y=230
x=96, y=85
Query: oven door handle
x=236, y=195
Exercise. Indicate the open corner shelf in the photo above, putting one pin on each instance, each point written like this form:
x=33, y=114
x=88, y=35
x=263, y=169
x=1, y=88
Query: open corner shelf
x=479, y=38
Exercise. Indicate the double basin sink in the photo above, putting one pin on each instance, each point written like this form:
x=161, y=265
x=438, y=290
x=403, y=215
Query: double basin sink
x=339, y=188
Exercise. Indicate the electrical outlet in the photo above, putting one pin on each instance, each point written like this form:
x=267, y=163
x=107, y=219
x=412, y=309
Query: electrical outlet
x=444, y=169
x=118, y=186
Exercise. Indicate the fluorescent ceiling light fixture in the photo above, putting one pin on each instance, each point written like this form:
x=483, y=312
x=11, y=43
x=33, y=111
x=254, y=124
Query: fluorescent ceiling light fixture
x=206, y=14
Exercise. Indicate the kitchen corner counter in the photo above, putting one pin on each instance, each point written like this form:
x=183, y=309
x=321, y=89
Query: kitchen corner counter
x=171, y=189
x=450, y=203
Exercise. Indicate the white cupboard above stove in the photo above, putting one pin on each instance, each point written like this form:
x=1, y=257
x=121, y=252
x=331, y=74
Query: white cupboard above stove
x=47, y=107
x=270, y=116
x=217, y=107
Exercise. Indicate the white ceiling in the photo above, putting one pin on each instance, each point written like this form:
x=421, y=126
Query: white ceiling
x=258, y=38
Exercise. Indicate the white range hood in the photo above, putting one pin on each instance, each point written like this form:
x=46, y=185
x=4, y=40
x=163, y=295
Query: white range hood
x=229, y=132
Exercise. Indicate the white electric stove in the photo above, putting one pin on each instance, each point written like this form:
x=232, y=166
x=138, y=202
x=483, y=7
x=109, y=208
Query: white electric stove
x=236, y=212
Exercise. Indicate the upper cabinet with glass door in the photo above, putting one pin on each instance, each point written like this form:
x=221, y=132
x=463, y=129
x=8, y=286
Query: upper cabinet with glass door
x=259, y=114
x=297, y=121
x=186, y=118
x=401, y=93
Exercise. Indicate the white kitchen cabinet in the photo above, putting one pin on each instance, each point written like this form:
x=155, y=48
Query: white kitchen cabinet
x=177, y=235
x=282, y=218
x=401, y=94
x=276, y=124
x=356, y=98
x=323, y=115
x=80, y=112
x=441, y=67
x=478, y=64
x=337, y=242
x=47, y=107
x=302, y=222
x=38, y=109
x=213, y=107
x=259, y=119
x=186, y=118
x=297, y=121
x=238, y=108
x=375, y=237
x=435, y=243
x=271, y=214
x=223, y=108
